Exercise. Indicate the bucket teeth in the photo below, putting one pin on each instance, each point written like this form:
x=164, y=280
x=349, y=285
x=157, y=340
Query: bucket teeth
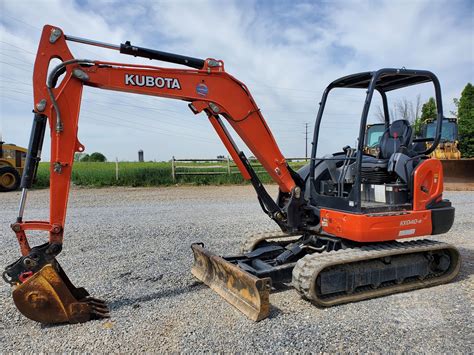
x=49, y=297
x=97, y=305
x=96, y=302
x=98, y=308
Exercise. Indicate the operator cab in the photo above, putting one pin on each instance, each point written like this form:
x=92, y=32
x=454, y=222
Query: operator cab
x=357, y=180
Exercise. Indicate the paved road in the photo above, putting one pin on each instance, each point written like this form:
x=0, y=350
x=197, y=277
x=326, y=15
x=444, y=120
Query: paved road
x=132, y=248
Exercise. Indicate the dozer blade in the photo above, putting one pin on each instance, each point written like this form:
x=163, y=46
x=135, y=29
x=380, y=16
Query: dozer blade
x=248, y=293
x=49, y=297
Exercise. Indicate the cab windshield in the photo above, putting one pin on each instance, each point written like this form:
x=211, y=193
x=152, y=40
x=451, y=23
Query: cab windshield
x=374, y=133
x=448, y=130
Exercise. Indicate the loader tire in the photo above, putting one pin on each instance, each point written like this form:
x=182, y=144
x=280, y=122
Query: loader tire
x=9, y=179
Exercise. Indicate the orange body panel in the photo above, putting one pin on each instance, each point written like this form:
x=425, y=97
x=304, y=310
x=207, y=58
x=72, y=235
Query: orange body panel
x=376, y=227
x=379, y=227
x=427, y=183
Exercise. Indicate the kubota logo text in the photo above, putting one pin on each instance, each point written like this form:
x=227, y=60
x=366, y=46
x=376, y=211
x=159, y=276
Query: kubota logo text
x=152, y=81
x=410, y=221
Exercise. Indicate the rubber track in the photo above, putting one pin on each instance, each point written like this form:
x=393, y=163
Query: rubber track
x=252, y=240
x=307, y=269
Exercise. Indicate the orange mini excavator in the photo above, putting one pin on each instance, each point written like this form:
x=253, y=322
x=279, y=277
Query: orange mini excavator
x=339, y=216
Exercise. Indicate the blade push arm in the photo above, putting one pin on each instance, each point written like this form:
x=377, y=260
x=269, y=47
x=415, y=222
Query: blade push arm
x=209, y=89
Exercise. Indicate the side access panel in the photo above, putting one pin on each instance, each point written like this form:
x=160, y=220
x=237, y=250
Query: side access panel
x=376, y=227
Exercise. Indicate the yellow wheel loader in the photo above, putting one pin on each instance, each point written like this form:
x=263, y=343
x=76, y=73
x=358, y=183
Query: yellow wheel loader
x=373, y=134
x=12, y=162
x=448, y=146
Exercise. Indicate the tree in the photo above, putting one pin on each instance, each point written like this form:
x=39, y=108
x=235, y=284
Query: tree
x=428, y=110
x=98, y=157
x=466, y=121
x=403, y=109
x=78, y=156
x=94, y=157
x=456, y=105
x=86, y=157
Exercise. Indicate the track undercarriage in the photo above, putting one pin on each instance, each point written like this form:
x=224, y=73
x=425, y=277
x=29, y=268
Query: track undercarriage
x=324, y=270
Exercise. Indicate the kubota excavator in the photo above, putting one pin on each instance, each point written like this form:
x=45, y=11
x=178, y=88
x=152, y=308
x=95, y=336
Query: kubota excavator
x=339, y=216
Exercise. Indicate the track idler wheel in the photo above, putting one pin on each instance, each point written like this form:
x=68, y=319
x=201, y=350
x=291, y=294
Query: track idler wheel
x=48, y=296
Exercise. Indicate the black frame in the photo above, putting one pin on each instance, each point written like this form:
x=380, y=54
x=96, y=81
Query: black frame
x=383, y=80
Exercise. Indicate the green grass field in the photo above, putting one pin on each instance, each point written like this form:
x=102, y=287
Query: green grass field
x=149, y=174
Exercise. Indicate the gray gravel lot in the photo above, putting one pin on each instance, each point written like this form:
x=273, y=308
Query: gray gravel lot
x=131, y=247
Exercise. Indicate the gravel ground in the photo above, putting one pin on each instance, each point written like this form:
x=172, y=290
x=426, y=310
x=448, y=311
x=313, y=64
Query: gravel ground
x=131, y=247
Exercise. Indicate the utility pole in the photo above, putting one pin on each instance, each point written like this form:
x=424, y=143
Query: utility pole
x=306, y=141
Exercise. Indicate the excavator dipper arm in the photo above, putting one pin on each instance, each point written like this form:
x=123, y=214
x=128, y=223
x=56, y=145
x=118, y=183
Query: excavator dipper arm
x=42, y=291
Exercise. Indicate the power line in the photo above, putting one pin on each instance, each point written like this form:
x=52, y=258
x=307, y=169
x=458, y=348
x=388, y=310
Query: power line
x=14, y=66
x=173, y=124
x=94, y=120
x=149, y=126
x=132, y=125
x=21, y=21
x=13, y=57
x=22, y=49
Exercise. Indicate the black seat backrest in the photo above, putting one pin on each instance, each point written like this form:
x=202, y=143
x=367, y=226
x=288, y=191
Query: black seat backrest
x=398, y=134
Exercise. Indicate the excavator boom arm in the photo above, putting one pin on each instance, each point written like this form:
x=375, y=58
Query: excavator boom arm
x=209, y=89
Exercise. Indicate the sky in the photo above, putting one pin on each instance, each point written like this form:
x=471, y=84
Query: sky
x=286, y=52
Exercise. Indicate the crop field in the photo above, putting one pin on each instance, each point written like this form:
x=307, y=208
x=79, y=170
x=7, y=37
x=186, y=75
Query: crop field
x=148, y=174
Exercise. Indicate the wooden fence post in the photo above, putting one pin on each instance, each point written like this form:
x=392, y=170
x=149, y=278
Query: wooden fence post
x=173, y=171
x=228, y=166
x=116, y=170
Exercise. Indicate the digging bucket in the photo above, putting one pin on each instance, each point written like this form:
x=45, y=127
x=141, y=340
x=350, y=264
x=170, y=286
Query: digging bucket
x=49, y=297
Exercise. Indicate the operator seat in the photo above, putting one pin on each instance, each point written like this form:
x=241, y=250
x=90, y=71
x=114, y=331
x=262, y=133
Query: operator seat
x=397, y=138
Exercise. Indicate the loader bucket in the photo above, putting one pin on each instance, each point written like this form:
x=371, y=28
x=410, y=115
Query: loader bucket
x=248, y=293
x=49, y=297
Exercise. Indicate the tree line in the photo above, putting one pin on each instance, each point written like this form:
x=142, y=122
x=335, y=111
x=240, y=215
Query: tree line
x=94, y=157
